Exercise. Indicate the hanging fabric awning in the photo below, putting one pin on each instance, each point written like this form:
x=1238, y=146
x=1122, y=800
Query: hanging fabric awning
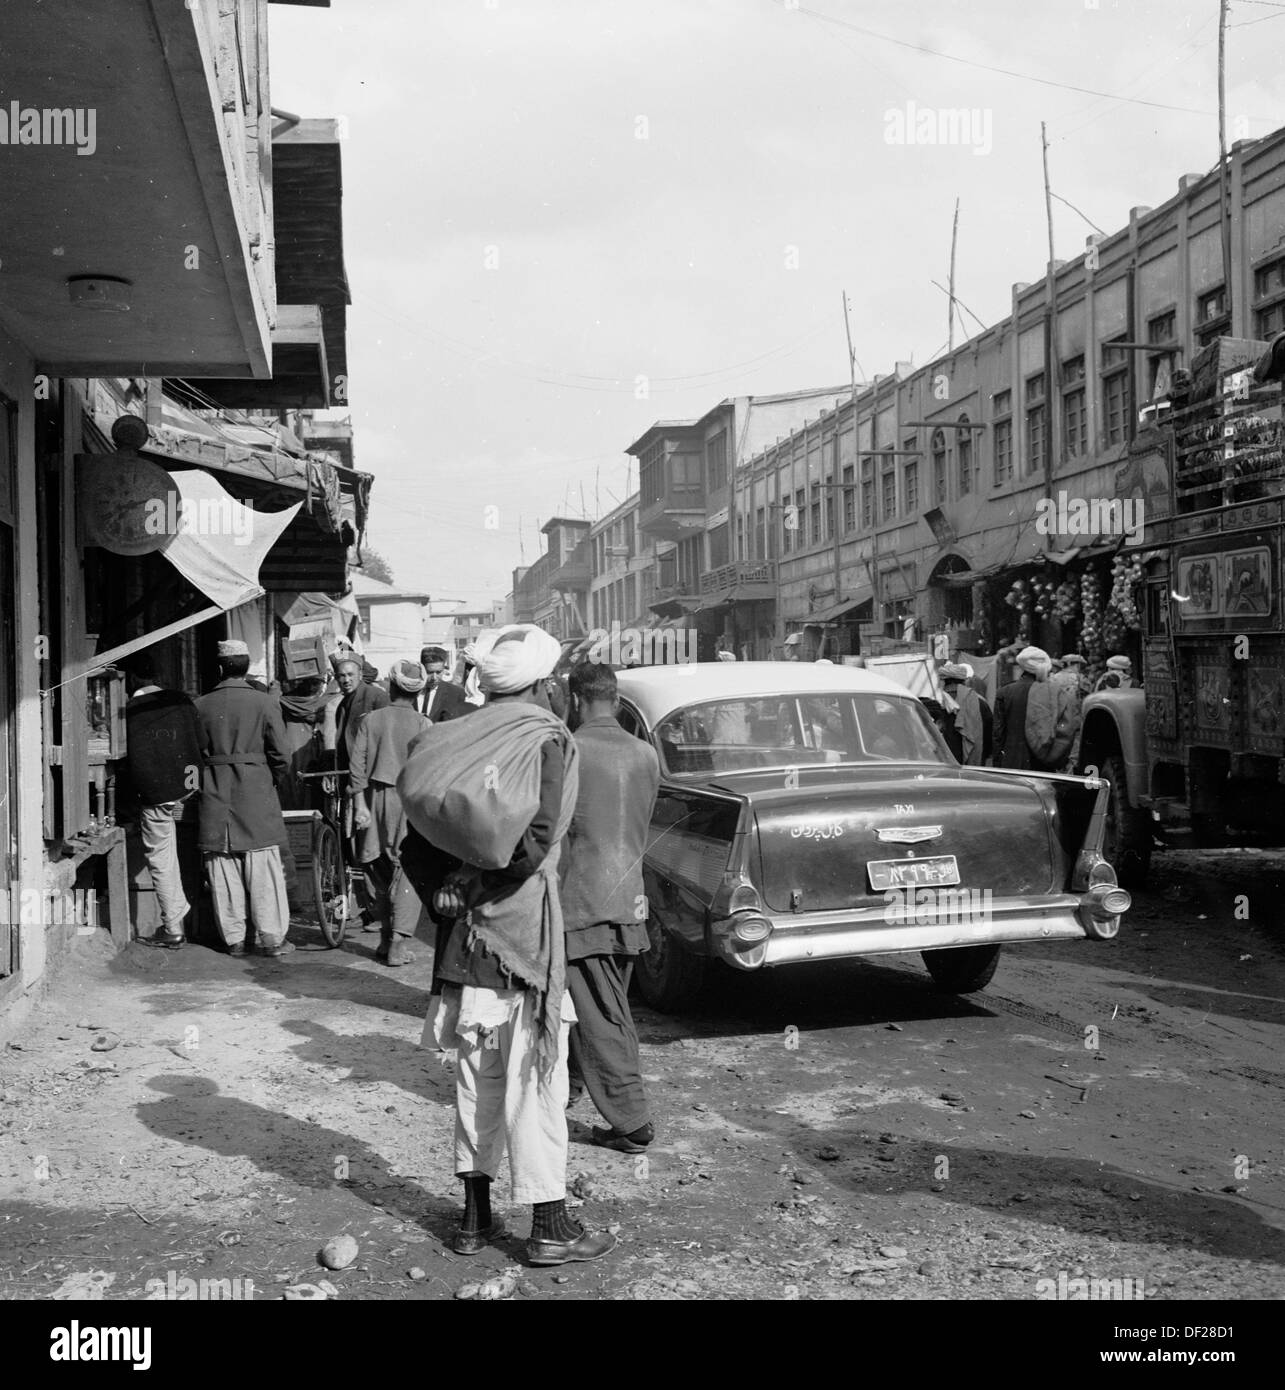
x=858, y=598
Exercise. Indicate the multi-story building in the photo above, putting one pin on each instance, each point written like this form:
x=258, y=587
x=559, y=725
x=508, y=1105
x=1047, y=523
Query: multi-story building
x=687, y=502
x=170, y=295
x=551, y=593
x=918, y=499
x=624, y=570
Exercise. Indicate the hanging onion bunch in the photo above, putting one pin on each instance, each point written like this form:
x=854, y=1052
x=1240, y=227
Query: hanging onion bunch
x=1066, y=601
x=1091, y=611
x=1126, y=575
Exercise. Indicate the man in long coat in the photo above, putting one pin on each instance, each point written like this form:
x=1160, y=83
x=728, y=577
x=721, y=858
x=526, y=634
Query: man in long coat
x=243, y=743
x=378, y=756
x=1011, y=747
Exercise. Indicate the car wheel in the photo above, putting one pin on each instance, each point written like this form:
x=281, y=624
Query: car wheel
x=1126, y=839
x=669, y=977
x=962, y=969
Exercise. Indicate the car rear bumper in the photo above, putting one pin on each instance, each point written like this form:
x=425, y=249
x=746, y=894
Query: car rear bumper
x=869, y=932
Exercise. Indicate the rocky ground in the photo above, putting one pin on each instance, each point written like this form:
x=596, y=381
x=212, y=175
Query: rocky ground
x=1102, y=1111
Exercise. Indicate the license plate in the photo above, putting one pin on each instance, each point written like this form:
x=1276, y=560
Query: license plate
x=941, y=870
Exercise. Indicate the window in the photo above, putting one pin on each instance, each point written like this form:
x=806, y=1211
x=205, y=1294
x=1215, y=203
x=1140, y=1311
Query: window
x=716, y=461
x=1116, y=409
x=849, y=500
x=964, y=458
x=1269, y=299
x=1212, y=318
x=740, y=535
x=1161, y=328
x=911, y=490
x=867, y=493
x=651, y=473
x=1002, y=434
x=718, y=547
x=1074, y=415
x=888, y=487
x=1037, y=442
x=939, y=468
x=814, y=515
x=759, y=522
x=831, y=502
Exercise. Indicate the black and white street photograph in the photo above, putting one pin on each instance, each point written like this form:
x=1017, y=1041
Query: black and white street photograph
x=642, y=659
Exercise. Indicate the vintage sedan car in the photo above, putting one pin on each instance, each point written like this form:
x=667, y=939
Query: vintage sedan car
x=812, y=812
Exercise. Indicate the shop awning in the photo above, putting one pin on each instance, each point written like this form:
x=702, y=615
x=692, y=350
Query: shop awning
x=678, y=605
x=856, y=599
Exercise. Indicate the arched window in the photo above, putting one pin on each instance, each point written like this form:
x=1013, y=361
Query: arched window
x=964, y=457
x=940, y=493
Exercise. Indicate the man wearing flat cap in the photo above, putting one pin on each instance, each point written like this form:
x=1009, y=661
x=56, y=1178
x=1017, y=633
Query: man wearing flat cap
x=243, y=742
x=378, y=755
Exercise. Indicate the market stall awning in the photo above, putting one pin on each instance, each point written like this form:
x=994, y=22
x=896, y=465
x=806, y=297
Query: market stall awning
x=856, y=599
x=679, y=604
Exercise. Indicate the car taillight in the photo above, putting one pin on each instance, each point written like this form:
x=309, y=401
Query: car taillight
x=750, y=929
x=1101, y=873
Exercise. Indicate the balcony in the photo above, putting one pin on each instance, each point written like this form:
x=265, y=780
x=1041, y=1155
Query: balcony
x=743, y=581
x=678, y=513
x=148, y=183
x=575, y=572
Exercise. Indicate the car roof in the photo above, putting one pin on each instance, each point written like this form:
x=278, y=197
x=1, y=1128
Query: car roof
x=659, y=690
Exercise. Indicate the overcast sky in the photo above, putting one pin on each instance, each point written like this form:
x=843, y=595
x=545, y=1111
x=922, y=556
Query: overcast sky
x=546, y=201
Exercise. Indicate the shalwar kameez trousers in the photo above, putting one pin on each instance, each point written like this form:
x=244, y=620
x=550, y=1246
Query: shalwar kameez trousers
x=242, y=829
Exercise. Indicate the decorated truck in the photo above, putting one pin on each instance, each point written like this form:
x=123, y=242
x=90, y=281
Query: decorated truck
x=1196, y=755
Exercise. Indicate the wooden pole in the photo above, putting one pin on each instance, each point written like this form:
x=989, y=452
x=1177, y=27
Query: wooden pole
x=1052, y=372
x=1224, y=171
x=954, y=239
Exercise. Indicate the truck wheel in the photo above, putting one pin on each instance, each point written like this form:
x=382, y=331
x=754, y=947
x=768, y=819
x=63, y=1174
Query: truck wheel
x=668, y=976
x=962, y=969
x=1126, y=841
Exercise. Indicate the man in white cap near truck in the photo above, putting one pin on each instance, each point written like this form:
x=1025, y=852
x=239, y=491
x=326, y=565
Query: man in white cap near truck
x=243, y=742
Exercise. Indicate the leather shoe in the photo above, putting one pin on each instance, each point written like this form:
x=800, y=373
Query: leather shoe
x=238, y=950
x=591, y=1245
x=633, y=1143
x=169, y=941
x=470, y=1242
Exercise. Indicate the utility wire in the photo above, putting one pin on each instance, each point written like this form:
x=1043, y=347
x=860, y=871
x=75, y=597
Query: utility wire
x=1077, y=211
x=1003, y=72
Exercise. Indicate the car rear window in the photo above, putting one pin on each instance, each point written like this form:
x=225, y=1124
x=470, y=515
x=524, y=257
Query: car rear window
x=791, y=730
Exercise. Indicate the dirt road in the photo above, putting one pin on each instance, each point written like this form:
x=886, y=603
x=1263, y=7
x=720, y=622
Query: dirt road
x=1104, y=1111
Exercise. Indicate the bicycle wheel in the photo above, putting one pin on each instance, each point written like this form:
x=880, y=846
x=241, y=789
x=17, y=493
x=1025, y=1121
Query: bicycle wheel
x=329, y=883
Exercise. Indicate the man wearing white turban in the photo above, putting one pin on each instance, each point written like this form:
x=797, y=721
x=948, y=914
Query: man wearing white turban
x=471, y=655
x=1011, y=747
x=499, y=996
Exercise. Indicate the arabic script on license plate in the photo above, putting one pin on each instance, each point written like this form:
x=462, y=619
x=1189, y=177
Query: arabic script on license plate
x=913, y=873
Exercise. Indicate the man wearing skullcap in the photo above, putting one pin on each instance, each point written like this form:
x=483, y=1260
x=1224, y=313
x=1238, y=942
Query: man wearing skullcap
x=357, y=699
x=243, y=743
x=499, y=995
x=378, y=756
x=1117, y=676
x=1011, y=748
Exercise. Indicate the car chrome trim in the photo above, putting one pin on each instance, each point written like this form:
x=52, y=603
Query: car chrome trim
x=907, y=834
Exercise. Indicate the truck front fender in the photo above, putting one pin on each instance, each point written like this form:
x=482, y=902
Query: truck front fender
x=1114, y=722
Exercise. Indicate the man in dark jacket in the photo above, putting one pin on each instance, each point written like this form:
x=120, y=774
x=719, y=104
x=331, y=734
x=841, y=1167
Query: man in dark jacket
x=442, y=698
x=966, y=719
x=357, y=699
x=242, y=831
x=1011, y=747
x=164, y=759
x=604, y=908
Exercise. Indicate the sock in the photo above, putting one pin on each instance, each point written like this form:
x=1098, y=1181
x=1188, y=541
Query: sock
x=549, y=1221
x=477, y=1202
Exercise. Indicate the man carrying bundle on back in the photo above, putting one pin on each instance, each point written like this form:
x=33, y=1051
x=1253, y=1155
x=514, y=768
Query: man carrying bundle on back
x=489, y=799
